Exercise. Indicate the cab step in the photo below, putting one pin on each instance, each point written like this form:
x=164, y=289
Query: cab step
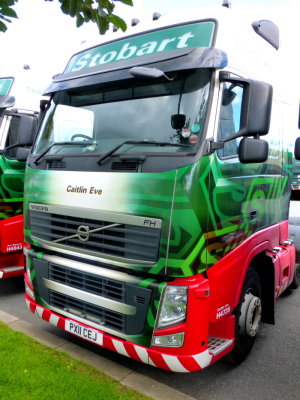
x=217, y=345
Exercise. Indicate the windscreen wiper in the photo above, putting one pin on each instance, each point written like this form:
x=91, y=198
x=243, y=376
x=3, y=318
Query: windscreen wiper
x=151, y=142
x=82, y=143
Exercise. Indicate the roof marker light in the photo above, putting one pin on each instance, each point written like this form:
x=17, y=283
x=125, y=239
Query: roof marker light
x=156, y=16
x=226, y=3
x=134, y=21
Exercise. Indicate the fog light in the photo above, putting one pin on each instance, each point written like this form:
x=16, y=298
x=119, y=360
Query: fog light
x=175, y=340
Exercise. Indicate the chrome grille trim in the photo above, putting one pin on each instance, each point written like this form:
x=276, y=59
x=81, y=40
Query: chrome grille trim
x=99, y=271
x=70, y=288
x=101, y=316
x=90, y=298
x=122, y=238
x=96, y=215
x=93, y=256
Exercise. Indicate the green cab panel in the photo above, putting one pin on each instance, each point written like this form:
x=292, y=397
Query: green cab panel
x=206, y=209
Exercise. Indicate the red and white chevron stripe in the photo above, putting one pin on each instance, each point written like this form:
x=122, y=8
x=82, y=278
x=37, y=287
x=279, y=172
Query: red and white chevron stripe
x=146, y=355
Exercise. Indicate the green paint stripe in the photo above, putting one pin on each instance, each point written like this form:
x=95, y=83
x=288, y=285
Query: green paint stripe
x=11, y=200
x=150, y=318
x=191, y=258
x=147, y=282
x=32, y=275
x=220, y=232
x=39, y=256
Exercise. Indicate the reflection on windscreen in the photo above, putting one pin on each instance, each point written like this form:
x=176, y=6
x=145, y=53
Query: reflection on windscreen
x=140, y=113
x=72, y=123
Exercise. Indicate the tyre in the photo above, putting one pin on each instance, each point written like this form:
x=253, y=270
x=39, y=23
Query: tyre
x=248, y=318
x=296, y=280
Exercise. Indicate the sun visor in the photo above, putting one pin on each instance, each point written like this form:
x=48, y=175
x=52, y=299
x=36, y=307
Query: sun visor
x=171, y=61
x=172, y=48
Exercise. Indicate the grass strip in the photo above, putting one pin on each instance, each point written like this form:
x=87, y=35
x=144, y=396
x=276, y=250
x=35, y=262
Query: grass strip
x=32, y=371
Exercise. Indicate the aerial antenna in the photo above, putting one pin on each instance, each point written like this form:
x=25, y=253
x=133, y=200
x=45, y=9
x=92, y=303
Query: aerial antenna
x=226, y=3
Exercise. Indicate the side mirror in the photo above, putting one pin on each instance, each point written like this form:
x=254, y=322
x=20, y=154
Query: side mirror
x=43, y=104
x=22, y=153
x=256, y=106
x=253, y=150
x=27, y=130
x=256, y=109
x=297, y=149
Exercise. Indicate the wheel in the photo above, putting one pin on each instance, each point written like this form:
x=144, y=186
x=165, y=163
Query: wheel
x=296, y=280
x=248, y=318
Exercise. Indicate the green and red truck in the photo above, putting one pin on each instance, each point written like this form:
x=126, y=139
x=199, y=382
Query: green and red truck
x=157, y=192
x=13, y=120
x=296, y=180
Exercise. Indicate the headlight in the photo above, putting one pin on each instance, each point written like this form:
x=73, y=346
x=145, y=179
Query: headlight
x=173, y=307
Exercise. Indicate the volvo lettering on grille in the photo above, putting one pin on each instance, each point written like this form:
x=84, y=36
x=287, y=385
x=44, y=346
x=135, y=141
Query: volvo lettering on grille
x=83, y=233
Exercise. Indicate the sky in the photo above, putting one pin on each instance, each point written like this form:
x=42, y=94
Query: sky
x=44, y=38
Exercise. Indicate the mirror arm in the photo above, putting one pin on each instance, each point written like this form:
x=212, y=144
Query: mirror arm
x=216, y=146
x=211, y=146
x=12, y=146
x=9, y=147
x=240, y=133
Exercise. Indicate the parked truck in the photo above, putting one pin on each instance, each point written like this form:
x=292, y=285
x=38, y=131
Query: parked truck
x=13, y=120
x=157, y=192
x=296, y=180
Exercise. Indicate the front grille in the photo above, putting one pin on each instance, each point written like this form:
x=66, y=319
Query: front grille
x=88, y=282
x=124, y=293
x=107, y=318
x=125, y=240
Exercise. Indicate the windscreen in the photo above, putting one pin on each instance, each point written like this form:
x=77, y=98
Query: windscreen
x=163, y=111
x=5, y=85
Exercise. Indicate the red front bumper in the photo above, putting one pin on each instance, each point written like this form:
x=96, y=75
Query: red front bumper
x=169, y=362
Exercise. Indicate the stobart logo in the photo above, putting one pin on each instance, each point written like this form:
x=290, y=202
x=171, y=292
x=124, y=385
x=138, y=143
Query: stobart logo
x=179, y=37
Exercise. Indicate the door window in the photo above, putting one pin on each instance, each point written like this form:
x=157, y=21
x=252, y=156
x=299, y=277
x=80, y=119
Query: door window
x=230, y=118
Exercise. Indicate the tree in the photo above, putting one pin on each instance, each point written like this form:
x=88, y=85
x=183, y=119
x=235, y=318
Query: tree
x=6, y=12
x=98, y=11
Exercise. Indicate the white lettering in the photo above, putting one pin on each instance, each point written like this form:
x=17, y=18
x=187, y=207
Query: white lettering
x=14, y=247
x=94, y=60
x=108, y=57
x=164, y=43
x=183, y=40
x=81, y=63
x=146, y=48
x=221, y=311
x=127, y=51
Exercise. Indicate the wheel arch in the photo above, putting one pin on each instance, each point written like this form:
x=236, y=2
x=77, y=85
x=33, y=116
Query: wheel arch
x=265, y=269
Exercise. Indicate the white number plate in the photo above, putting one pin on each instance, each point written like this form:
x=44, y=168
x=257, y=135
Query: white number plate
x=82, y=331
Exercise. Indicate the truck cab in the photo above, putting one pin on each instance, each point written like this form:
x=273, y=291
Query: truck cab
x=13, y=123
